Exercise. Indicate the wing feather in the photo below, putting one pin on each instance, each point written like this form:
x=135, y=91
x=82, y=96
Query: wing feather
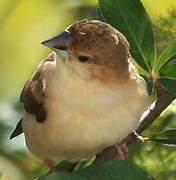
x=33, y=94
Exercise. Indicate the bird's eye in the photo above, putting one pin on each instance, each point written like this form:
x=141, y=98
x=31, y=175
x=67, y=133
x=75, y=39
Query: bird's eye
x=83, y=58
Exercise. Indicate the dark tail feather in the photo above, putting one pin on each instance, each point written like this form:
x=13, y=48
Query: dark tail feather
x=18, y=130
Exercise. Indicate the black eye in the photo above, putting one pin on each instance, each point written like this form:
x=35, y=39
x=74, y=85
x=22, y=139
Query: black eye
x=83, y=58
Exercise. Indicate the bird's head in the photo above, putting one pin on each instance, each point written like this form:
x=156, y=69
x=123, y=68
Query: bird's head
x=92, y=49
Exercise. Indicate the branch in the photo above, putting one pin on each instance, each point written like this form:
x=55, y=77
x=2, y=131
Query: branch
x=163, y=101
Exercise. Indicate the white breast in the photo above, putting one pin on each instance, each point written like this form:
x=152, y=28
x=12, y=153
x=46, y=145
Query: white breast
x=84, y=118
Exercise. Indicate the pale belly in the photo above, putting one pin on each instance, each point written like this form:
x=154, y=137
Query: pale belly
x=84, y=126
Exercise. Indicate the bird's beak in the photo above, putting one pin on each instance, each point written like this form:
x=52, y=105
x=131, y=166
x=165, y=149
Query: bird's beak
x=60, y=41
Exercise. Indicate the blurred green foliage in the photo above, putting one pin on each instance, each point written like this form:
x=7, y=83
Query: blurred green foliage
x=165, y=29
x=24, y=24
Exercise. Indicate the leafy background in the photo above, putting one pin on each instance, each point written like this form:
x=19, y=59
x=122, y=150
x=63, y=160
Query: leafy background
x=24, y=24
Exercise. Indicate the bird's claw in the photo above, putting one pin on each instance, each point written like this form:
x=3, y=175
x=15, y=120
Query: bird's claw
x=122, y=151
x=138, y=138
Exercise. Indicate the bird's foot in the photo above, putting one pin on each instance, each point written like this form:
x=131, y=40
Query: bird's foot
x=122, y=151
x=137, y=137
x=50, y=165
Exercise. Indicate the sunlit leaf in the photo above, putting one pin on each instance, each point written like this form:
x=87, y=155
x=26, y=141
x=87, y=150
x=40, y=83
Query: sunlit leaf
x=169, y=85
x=165, y=56
x=130, y=17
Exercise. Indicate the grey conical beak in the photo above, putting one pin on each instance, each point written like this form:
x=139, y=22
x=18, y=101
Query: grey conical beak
x=60, y=41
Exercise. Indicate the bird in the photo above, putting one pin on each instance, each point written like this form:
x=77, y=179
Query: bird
x=85, y=96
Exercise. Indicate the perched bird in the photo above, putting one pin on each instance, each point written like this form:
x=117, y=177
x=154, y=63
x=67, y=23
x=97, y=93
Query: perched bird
x=85, y=96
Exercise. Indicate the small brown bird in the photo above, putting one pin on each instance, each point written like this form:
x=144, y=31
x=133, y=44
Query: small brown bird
x=86, y=96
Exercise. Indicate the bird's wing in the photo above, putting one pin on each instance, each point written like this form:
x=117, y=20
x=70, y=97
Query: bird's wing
x=33, y=93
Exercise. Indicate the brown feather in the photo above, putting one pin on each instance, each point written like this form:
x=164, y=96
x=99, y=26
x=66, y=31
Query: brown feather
x=32, y=96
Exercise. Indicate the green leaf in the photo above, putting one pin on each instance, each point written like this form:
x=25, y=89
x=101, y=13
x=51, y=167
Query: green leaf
x=165, y=141
x=167, y=134
x=114, y=170
x=169, y=85
x=165, y=56
x=109, y=170
x=61, y=176
x=165, y=137
x=169, y=70
x=130, y=18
